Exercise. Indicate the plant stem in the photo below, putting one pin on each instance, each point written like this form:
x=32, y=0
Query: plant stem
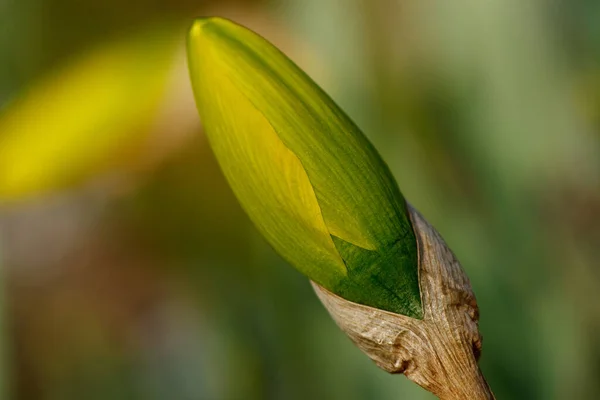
x=440, y=351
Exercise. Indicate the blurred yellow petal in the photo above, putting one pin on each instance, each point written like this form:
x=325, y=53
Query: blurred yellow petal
x=306, y=175
x=89, y=116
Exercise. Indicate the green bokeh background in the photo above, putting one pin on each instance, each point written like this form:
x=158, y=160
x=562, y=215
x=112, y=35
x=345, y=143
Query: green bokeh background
x=152, y=283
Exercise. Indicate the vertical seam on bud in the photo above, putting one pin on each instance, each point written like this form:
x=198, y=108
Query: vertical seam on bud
x=346, y=271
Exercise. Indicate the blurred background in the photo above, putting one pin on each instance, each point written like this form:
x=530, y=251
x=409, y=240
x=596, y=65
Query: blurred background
x=128, y=270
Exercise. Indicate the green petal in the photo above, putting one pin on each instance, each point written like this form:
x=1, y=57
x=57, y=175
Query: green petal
x=309, y=179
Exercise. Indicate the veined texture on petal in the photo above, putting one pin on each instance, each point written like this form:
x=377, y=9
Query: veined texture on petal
x=306, y=175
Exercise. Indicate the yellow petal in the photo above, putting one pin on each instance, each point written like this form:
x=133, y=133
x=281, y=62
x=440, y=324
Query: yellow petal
x=88, y=117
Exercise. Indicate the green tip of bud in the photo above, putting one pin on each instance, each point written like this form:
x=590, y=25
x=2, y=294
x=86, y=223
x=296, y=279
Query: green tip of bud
x=309, y=179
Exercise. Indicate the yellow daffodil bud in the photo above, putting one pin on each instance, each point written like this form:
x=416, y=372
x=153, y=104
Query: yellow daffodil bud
x=309, y=179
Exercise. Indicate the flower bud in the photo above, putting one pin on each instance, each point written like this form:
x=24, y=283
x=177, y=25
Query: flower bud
x=309, y=179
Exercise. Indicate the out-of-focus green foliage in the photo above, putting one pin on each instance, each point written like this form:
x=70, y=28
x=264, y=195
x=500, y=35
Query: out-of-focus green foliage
x=309, y=179
x=4, y=360
x=487, y=114
x=89, y=116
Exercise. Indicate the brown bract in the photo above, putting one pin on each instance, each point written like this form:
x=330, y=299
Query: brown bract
x=440, y=351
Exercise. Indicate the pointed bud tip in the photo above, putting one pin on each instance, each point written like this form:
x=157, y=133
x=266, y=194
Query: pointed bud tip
x=198, y=25
x=204, y=25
